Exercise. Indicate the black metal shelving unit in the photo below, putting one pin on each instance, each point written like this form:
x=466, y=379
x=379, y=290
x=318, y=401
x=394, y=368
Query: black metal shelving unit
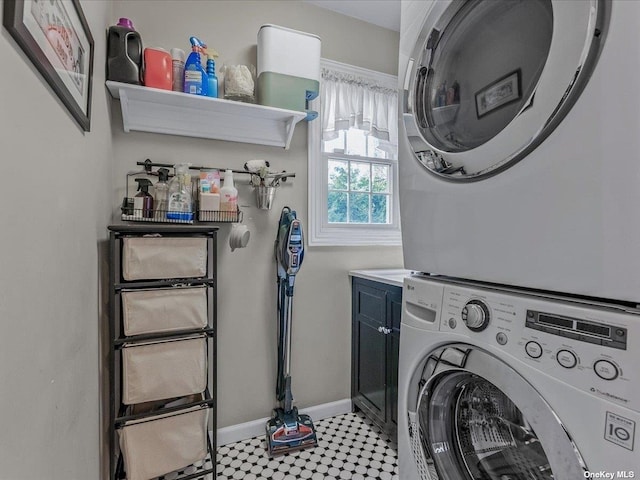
x=121, y=413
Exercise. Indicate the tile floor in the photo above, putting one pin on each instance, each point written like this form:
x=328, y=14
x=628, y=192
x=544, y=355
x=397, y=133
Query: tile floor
x=349, y=447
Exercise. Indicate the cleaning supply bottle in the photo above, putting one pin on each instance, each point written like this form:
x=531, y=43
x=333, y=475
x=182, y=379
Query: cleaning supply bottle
x=228, y=193
x=195, y=77
x=158, y=68
x=179, y=202
x=124, y=53
x=177, y=61
x=143, y=201
x=161, y=193
x=212, y=90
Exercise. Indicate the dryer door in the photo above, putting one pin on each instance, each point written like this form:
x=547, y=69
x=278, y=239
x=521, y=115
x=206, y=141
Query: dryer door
x=477, y=418
x=489, y=80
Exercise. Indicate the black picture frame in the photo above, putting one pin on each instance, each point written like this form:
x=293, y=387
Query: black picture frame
x=55, y=36
x=497, y=94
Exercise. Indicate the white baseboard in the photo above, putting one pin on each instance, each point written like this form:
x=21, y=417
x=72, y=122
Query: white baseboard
x=255, y=428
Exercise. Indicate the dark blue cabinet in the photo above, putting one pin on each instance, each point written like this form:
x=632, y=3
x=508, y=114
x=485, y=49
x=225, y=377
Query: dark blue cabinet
x=376, y=311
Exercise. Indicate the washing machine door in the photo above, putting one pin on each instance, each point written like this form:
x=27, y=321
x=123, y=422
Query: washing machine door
x=478, y=419
x=489, y=80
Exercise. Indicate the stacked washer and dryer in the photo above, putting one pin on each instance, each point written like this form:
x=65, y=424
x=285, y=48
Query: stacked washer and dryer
x=519, y=166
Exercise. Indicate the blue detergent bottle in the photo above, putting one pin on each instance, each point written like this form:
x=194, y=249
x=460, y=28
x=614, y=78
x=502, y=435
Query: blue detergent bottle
x=212, y=80
x=195, y=77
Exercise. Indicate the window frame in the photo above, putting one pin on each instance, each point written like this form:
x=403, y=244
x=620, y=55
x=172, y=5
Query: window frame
x=321, y=232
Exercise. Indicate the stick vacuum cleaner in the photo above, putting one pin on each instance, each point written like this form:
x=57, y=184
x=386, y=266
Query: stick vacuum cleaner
x=287, y=431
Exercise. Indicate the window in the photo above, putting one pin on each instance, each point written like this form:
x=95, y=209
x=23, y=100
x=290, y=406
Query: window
x=353, y=197
x=358, y=188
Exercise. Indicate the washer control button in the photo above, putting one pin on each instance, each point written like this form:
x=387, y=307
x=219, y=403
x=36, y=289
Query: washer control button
x=566, y=358
x=502, y=338
x=533, y=349
x=453, y=323
x=606, y=370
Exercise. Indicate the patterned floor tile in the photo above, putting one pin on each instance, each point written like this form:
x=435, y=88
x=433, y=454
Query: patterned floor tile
x=349, y=447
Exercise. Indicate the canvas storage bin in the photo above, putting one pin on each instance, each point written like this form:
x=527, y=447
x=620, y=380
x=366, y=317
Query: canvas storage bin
x=164, y=310
x=163, y=369
x=155, y=258
x=158, y=445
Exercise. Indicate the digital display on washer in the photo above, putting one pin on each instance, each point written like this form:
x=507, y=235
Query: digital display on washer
x=557, y=321
x=595, y=329
x=582, y=330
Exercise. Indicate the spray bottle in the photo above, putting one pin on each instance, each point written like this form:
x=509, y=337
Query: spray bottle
x=228, y=193
x=212, y=90
x=161, y=192
x=179, y=201
x=143, y=201
x=195, y=77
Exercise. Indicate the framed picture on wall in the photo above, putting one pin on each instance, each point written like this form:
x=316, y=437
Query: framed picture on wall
x=499, y=93
x=55, y=36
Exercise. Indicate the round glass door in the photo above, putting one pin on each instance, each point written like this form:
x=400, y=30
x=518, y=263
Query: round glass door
x=475, y=421
x=490, y=80
x=491, y=438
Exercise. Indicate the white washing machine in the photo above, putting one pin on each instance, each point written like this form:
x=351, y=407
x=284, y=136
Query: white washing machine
x=497, y=384
x=519, y=151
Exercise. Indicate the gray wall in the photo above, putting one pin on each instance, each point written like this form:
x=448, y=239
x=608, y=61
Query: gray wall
x=246, y=310
x=57, y=193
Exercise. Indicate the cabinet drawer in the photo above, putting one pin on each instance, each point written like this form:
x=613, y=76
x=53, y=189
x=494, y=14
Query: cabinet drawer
x=163, y=310
x=163, y=369
x=156, y=258
x=161, y=444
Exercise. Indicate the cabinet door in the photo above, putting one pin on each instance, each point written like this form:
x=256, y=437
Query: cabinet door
x=394, y=313
x=369, y=350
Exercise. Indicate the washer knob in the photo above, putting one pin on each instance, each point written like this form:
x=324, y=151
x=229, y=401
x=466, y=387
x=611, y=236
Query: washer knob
x=475, y=315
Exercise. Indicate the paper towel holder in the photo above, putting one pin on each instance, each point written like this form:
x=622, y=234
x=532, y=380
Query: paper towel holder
x=239, y=236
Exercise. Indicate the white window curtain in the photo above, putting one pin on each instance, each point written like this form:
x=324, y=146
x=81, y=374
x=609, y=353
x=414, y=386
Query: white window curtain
x=350, y=100
x=352, y=97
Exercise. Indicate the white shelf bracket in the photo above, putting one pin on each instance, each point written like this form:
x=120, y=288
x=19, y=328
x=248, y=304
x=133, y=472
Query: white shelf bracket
x=124, y=106
x=289, y=129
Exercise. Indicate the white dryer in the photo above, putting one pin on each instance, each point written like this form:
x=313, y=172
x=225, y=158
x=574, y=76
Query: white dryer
x=519, y=151
x=496, y=384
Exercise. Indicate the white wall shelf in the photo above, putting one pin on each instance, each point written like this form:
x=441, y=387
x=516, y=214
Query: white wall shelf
x=162, y=111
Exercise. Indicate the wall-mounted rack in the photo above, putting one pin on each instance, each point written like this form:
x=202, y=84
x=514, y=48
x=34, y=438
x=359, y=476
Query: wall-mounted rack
x=129, y=214
x=148, y=170
x=264, y=187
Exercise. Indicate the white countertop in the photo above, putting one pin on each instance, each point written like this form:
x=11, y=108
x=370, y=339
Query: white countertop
x=390, y=276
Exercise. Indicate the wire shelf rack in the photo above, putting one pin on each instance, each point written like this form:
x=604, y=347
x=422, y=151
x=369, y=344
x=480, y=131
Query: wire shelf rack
x=163, y=216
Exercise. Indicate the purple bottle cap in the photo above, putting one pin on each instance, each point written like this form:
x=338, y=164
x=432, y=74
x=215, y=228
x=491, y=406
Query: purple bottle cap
x=125, y=22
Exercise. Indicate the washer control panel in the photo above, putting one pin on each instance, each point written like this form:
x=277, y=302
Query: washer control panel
x=593, y=347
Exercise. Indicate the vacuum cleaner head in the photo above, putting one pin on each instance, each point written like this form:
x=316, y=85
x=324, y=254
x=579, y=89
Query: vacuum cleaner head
x=289, y=432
